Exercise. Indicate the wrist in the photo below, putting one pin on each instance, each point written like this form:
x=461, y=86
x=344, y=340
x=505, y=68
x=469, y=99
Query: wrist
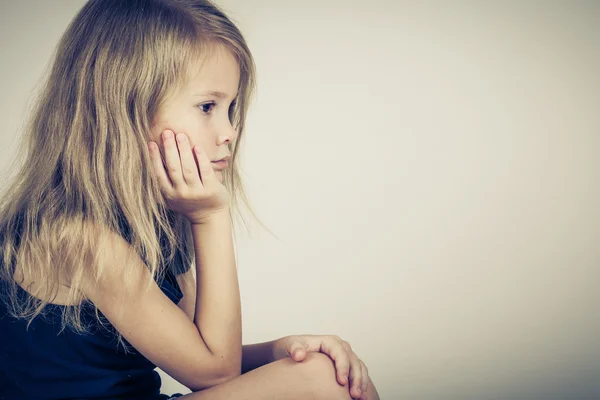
x=220, y=216
x=276, y=349
x=258, y=354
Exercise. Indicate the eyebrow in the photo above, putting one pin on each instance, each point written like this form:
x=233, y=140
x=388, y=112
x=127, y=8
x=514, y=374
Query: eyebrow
x=217, y=94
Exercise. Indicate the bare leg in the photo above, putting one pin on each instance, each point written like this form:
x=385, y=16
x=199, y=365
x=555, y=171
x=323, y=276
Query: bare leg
x=313, y=378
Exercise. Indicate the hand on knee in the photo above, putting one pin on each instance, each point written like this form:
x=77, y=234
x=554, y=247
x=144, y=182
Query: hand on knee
x=319, y=373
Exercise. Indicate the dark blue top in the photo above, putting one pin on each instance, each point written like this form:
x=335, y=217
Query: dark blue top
x=40, y=362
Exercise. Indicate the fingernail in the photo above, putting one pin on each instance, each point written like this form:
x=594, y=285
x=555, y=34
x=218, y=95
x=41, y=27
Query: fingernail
x=168, y=134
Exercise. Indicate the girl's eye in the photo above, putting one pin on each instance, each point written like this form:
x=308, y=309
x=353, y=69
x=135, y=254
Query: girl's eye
x=206, y=108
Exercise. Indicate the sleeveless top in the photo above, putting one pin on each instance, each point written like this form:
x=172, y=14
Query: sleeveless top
x=41, y=362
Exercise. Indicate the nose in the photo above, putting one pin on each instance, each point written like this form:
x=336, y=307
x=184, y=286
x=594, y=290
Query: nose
x=228, y=135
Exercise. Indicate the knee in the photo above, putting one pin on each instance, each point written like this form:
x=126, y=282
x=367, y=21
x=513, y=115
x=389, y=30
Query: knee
x=318, y=371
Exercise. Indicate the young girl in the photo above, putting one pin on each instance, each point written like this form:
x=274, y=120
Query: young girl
x=116, y=234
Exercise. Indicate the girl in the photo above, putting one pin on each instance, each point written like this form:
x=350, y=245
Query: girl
x=116, y=234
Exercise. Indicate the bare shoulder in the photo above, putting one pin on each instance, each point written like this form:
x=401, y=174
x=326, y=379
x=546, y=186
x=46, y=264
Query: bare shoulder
x=115, y=272
x=112, y=263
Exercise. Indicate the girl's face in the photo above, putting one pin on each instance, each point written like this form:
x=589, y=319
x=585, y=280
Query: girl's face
x=201, y=107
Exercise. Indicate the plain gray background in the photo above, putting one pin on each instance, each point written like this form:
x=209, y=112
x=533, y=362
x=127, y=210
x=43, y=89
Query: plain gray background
x=432, y=171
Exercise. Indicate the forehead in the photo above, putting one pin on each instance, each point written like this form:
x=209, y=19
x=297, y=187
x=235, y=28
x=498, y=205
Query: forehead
x=217, y=71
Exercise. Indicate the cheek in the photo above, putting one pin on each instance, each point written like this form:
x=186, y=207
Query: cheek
x=174, y=118
x=198, y=139
x=169, y=124
x=198, y=133
x=190, y=123
x=155, y=134
x=158, y=127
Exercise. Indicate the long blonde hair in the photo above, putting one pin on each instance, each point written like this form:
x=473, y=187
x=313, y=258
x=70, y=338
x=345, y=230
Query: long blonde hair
x=86, y=172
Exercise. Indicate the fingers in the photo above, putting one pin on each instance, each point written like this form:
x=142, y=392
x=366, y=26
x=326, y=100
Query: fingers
x=364, y=385
x=356, y=372
x=350, y=370
x=207, y=173
x=297, y=351
x=158, y=166
x=356, y=377
x=172, y=161
x=183, y=165
x=189, y=167
x=338, y=354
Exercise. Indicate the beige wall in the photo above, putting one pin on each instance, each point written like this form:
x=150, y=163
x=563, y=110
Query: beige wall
x=432, y=172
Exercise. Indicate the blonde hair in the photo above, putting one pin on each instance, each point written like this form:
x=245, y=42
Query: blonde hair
x=86, y=172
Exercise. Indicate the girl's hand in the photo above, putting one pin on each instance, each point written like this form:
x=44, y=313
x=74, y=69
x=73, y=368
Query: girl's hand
x=347, y=364
x=187, y=178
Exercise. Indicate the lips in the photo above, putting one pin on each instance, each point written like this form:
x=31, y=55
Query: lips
x=220, y=165
x=226, y=158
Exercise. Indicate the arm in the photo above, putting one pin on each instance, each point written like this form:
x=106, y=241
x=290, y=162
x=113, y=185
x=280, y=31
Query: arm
x=253, y=355
x=199, y=354
x=218, y=308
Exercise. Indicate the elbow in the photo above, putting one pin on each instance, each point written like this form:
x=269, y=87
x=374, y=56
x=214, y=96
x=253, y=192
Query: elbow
x=215, y=382
x=225, y=373
x=206, y=384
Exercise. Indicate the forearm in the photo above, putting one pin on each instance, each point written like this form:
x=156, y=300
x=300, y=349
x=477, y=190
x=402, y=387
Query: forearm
x=218, y=309
x=256, y=355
